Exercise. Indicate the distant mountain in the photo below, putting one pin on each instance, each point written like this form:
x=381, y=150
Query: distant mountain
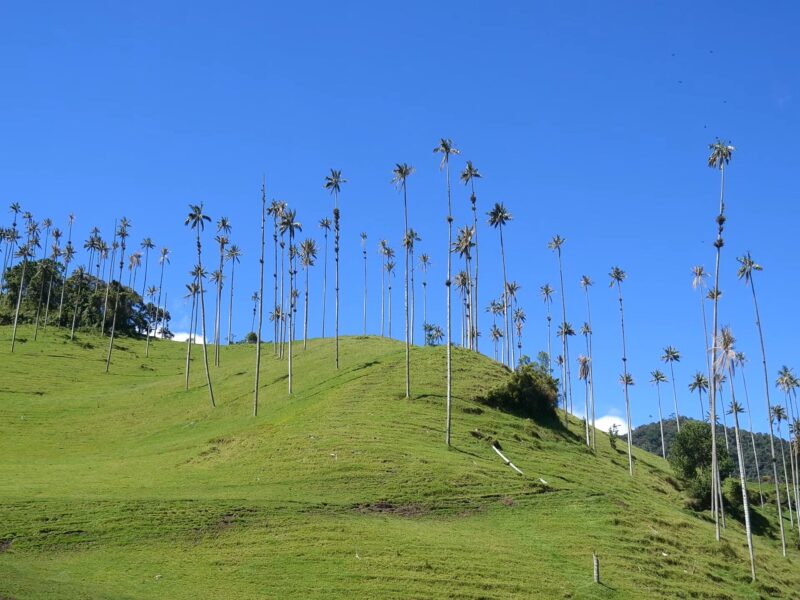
x=648, y=437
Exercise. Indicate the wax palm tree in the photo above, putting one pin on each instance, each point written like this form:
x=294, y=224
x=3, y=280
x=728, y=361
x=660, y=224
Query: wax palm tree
x=111, y=264
x=747, y=267
x=786, y=382
x=254, y=299
x=364, y=255
x=519, y=321
x=496, y=335
x=586, y=330
x=69, y=254
x=583, y=375
x=383, y=251
x=513, y=288
x=223, y=231
x=290, y=225
x=779, y=414
x=555, y=245
x=657, y=378
x=424, y=264
x=468, y=177
x=617, y=276
x=275, y=210
x=79, y=275
x=699, y=384
x=54, y=257
x=719, y=157
x=410, y=240
x=308, y=254
x=333, y=183
x=671, y=356
x=446, y=149
x=233, y=256
x=462, y=285
x=565, y=331
x=152, y=317
x=400, y=175
x=546, y=293
x=122, y=234
x=192, y=290
x=134, y=262
x=498, y=218
x=463, y=246
x=740, y=361
x=163, y=260
x=47, y=224
x=197, y=219
x=325, y=225
x=390, y=264
x=147, y=245
x=26, y=253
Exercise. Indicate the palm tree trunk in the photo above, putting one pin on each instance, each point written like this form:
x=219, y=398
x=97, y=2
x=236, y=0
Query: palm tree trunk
x=47, y=302
x=475, y=280
x=786, y=478
x=389, y=310
x=336, y=259
x=325, y=283
x=591, y=363
x=146, y=263
x=291, y=305
x=276, y=326
x=203, y=320
x=116, y=305
x=365, y=289
x=75, y=310
x=19, y=302
x=625, y=379
x=743, y=483
x=305, y=314
x=158, y=300
x=218, y=307
x=424, y=302
x=405, y=294
x=752, y=438
x=505, y=299
x=724, y=420
x=383, y=298
x=108, y=285
x=661, y=423
x=769, y=415
x=675, y=396
x=413, y=296
x=564, y=337
x=449, y=285
x=230, y=304
x=261, y=294
x=189, y=341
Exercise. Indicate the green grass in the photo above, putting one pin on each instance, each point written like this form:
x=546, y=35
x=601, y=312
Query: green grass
x=126, y=486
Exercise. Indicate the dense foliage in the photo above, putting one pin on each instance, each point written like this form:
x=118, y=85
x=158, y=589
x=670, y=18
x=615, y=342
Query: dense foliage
x=530, y=391
x=84, y=299
x=690, y=458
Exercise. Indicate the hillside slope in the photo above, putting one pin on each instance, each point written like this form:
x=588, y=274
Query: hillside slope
x=126, y=486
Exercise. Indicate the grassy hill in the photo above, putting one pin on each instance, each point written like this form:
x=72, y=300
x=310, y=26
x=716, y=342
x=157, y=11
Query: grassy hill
x=126, y=486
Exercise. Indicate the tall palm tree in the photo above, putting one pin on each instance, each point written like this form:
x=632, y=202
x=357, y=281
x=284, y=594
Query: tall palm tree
x=555, y=245
x=747, y=267
x=54, y=257
x=496, y=334
x=468, y=177
x=192, y=290
x=254, y=299
x=364, y=255
x=152, y=317
x=463, y=246
x=383, y=250
x=498, y=218
x=513, y=288
x=617, y=276
x=390, y=264
x=114, y=248
x=671, y=356
x=739, y=361
x=519, y=321
x=134, y=262
x=69, y=253
x=79, y=275
x=325, y=225
x=446, y=149
x=410, y=240
x=547, y=295
x=275, y=210
x=735, y=410
x=462, y=285
x=290, y=225
x=197, y=219
x=787, y=382
x=586, y=330
x=719, y=157
x=779, y=414
x=163, y=260
x=400, y=175
x=223, y=231
x=147, y=245
x=333, y=183
x=12, y=239
x=565, y=330
x=424, y=264
x=700, y=384
x=583, y=375
x=25, y=252
x=122, y=234
x=308, y=254
x=233, y=256
x=47, y=224
x=657, y=378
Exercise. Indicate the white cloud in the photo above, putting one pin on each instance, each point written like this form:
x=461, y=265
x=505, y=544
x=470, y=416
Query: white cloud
x=605, y=422
x=182, y=336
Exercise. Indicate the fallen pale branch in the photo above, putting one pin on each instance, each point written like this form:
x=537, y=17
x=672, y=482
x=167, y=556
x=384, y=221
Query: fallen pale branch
x=505, y=460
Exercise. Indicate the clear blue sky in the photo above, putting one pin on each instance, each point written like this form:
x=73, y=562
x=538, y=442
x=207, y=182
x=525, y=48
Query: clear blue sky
x=590, y=120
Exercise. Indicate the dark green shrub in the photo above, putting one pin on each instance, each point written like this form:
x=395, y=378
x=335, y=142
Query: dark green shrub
x=529, y=392
x=690, y=458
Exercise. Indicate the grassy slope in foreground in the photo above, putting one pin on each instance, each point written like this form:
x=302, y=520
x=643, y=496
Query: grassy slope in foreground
x=126, y=486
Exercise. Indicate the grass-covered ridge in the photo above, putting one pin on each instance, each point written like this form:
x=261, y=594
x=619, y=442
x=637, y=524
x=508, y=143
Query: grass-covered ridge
x=126, y=486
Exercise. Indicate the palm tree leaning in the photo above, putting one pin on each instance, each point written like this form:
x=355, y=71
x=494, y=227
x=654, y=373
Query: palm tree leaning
x=400, y=176
x=617, y=277
x=446, y=149
x=468, y=177
x=196, y=219
x=719, y=157
x=671, y=356
x=122, y=234
x=233, y=256
x=308, y=254
x=746, y=270
x=333, y=183
x=657, y=378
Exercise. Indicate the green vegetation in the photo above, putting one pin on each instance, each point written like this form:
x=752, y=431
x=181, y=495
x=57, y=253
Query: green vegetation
x=124, y=485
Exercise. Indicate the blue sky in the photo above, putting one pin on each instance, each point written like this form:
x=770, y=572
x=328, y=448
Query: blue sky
x=590, y=120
